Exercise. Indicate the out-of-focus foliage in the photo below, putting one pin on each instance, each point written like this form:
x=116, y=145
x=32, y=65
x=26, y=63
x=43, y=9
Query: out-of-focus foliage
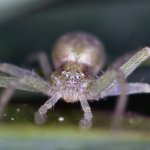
x=19, y=132
x=121, y=25
x=12, y=8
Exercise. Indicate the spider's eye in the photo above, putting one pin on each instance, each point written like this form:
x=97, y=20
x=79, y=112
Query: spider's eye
x=66, y=74
x=78, y=76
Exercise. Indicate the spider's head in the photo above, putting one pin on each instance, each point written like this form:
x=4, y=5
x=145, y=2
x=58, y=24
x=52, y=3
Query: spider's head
x=71, y=80
x=72, y=72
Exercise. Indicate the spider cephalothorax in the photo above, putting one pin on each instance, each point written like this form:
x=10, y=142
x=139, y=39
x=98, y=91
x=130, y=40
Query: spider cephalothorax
x=77, y=58
x=71, y=80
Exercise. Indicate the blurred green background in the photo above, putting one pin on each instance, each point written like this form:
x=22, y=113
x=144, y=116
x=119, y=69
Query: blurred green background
x=31, y=25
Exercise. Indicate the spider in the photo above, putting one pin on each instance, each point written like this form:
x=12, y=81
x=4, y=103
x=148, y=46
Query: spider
x=77, y=58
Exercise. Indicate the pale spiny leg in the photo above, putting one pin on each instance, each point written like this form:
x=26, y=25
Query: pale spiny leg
x=42, y=58
x=105, y=84
x=110, y=79
x=40, y=116
x=142, y=55
x=132, y=88
x=128, y=68
x=121, y=60
x=31, y=81
x=122, y=99
x=85, y=122
x=8, y=93
x=5, y=97
x=16, y=71
x=121, y=102
x=28, y=83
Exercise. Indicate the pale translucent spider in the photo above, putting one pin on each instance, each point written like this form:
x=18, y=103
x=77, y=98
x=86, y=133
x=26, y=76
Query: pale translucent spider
x=77, y=58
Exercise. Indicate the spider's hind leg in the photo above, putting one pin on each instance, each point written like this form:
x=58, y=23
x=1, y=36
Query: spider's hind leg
x=122, y=100
x=42, y=59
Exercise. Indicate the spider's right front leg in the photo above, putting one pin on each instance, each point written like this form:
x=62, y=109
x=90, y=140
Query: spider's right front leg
x=26, y=83
x=85, y=122
x=40, y=116
x=16, y=71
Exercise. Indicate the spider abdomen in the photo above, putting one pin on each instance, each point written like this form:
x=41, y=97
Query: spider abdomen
x=81, y=48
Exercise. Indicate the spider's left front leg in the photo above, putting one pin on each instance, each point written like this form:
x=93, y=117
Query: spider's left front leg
x=85, y=122
x=104, y=84
x=109, y=78
x=7, y=94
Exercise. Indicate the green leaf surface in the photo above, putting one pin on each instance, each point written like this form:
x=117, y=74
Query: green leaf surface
x=18, y=131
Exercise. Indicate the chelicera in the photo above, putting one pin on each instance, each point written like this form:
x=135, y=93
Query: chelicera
x=77, y=58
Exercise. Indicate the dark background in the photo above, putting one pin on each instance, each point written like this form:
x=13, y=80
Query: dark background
x=122, y=26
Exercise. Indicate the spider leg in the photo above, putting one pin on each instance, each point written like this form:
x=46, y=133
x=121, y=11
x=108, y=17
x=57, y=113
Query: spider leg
x=121, y=60
x=85, y=122
x=122, y=99
x=16, y=71
x=32, y=81
x=132, y=88
x=6, y=95
x=28, y=83
x=142, y=55
x=108, y=80
x=42, y=58
x=40, y=116
x=104, y=84
x=127, y=68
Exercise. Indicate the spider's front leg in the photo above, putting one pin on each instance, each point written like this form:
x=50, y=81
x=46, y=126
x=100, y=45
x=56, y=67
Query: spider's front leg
x=8, y=93
x=5, y=96
x=27, y=83
x=104, y=84
x=16, y=71
x=40, y=116
x=85, y=122
x=107, y=82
